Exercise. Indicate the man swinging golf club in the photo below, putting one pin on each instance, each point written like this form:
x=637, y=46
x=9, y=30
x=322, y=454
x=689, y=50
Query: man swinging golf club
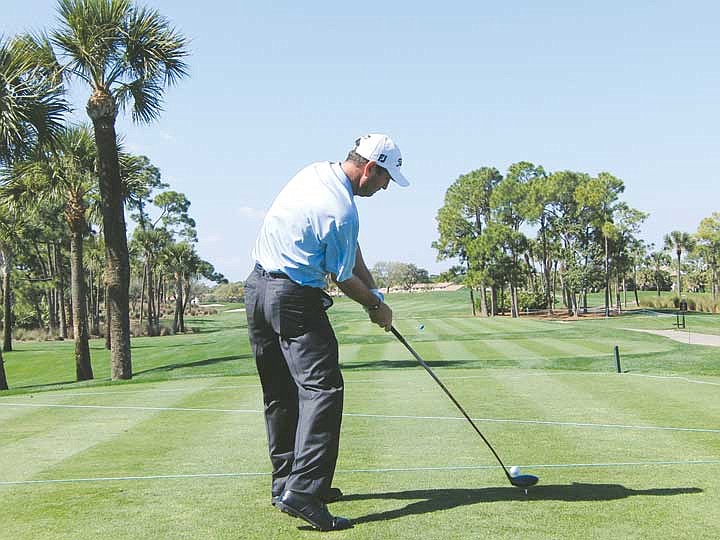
x=311, y=231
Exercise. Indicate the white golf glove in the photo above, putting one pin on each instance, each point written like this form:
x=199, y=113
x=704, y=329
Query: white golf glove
x=377, y=293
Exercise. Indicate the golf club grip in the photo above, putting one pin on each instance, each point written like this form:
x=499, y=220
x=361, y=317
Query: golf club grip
x=452, y=398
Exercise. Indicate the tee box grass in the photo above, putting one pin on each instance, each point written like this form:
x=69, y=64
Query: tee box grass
x=180, y=451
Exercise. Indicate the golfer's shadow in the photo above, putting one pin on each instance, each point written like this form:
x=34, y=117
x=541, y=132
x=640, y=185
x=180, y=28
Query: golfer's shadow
x=431, y=500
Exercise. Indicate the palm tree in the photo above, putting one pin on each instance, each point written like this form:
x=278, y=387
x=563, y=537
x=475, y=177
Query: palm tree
x=93, y=253
x=182, y=259
x=65, y=176
x=657, y=260
x=679, y=241
x=32, y=104
x=127, y=55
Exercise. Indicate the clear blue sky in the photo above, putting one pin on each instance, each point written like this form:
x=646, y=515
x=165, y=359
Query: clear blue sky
x=631, y=88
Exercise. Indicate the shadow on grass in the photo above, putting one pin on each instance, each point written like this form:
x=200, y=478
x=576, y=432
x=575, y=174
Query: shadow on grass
x=403, y=364
x=46, y=386
x=432, y=500
x=198, y=363
x=165, y=346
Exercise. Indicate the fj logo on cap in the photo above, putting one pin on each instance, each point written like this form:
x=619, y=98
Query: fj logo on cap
x=381, y=158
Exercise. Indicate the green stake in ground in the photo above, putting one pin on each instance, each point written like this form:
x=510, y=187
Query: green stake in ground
x=523, y=481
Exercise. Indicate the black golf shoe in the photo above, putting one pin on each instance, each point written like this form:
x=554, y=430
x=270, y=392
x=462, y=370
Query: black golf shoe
x=330, y=496
x=312, y=510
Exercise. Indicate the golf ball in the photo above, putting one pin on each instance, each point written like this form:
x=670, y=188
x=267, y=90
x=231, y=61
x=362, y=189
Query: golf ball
x=421, y=327
x=514, y=471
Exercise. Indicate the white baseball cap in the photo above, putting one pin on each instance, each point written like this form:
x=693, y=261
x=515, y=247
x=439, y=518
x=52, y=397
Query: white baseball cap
x=382, y=150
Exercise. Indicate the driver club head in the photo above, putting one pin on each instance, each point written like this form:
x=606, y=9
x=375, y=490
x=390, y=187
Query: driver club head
x=524, y=481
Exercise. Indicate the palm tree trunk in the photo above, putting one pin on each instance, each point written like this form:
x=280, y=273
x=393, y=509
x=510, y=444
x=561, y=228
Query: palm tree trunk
x=83, y=367
x=61, y=291
x=108, y=315
x=102, y=110
x=96, y=313
x=142, y=296
x=546, y=266
x=637, y=299
x=151, y=302
x=7, y=303
x=607, y=279
x=89, y=306
x=679, y=290
x=158, y=303
x=3, y=377
x=177, y=322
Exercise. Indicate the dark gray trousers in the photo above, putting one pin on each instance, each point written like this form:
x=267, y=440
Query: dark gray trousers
x=296, y=354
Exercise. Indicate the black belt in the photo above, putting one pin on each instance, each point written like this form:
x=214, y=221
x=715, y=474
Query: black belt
x=276, y=275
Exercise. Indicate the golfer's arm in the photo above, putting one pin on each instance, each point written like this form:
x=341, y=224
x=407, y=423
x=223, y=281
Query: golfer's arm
x=356, y=289
x=361, y=270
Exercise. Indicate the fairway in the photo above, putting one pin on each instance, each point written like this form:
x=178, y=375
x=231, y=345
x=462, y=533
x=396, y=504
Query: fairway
x=180, y=452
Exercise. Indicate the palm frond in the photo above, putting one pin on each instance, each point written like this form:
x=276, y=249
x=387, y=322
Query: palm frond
x=32, y=98
x=90, y=37
x=153, y=49
x=145, y=96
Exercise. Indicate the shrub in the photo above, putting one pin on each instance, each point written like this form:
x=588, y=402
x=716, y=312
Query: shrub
x=137, y=331
x=531, y=300
x=32, y=334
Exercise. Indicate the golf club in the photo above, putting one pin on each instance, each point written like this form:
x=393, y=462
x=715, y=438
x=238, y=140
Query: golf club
x=523, y=481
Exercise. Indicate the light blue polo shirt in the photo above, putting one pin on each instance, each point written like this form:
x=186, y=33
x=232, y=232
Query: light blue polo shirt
x=311, y=228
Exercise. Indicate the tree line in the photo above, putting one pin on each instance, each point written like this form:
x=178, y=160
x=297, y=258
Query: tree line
x=530, y=238
x=64, y=188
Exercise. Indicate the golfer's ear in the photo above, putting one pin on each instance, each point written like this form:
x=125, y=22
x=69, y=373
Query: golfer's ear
x=367, y=170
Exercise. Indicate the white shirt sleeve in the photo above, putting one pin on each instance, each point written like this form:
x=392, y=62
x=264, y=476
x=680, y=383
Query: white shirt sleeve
x=340, y=250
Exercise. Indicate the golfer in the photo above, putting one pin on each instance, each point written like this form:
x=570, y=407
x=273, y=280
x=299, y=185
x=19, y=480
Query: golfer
x=309, y=233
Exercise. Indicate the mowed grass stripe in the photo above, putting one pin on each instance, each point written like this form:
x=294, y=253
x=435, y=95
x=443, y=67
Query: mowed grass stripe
x=58, y=434
x=174, y=442
x=48, y=438
x=653, y=401
x=512, y=350
x=552, y=396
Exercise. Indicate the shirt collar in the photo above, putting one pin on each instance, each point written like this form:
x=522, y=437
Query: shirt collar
x=338, y=170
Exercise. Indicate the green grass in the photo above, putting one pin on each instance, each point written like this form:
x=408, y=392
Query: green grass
x=633, y=455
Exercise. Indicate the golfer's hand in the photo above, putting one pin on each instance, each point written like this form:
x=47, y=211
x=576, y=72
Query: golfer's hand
x=382, y=316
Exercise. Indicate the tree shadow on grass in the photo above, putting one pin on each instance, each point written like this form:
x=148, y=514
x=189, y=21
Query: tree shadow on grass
x=159, y=345
x=46, y=386
x=197, y=363
x=432, y=500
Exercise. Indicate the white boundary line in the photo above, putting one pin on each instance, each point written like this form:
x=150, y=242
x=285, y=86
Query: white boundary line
x=362, y=415
x=127, y=407
x=54, y=392
x=541, y=422
x=357, y=471
x=673, y=377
